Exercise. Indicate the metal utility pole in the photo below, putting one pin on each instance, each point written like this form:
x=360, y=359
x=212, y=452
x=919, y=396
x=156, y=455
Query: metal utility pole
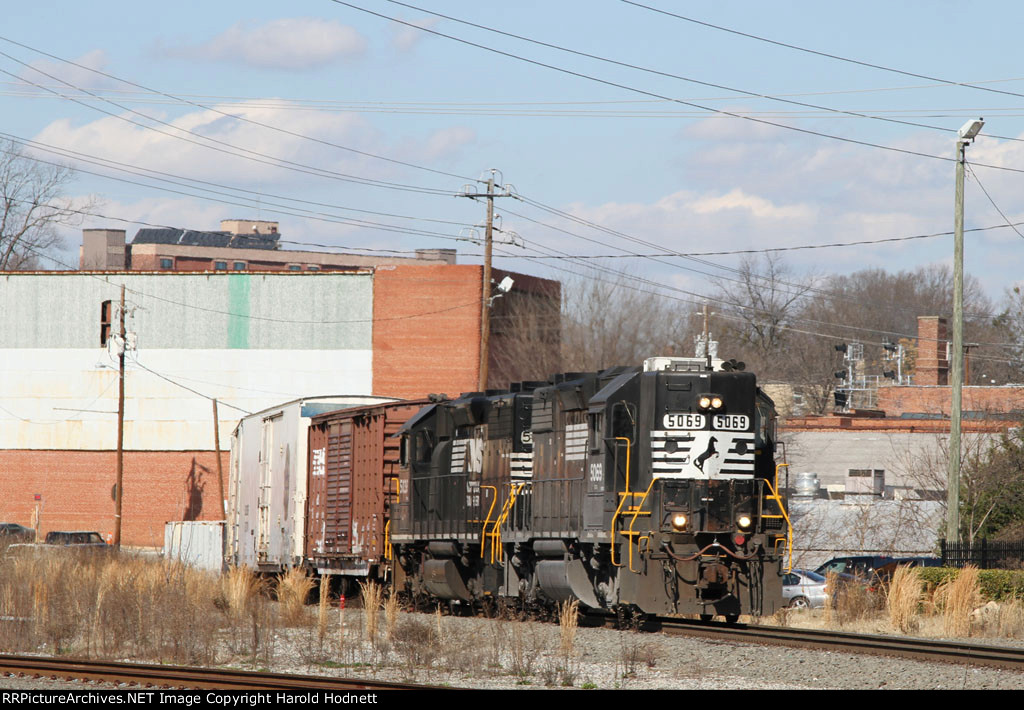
x=485, y=305
x=123, y=346
x=967, y=134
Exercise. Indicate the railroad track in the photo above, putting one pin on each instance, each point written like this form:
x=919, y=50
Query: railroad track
x=147, y=675
x=903, y=647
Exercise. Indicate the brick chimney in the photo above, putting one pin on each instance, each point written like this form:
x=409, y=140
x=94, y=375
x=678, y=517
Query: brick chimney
x=932, y=366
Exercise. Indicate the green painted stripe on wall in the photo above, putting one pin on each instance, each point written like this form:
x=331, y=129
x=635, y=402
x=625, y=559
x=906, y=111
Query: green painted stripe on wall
x=238, y=306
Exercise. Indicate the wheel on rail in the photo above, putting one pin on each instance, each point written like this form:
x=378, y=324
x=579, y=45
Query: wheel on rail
x=799, y=603
x=732, y=618
x=706, y=617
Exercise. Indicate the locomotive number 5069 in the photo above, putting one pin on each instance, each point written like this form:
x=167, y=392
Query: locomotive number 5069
x=731, y=422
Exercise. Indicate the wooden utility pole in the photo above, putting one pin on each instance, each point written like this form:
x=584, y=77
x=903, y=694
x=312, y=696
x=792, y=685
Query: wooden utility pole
x=966, y=135
x=120, y=428
x=220, y=471
x=485, y=316
x=485, y=303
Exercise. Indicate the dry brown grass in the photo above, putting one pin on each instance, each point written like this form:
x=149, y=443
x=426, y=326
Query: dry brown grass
x=438, y=619
x=853, y=603
x=372, y=593
x=293, y=588
x=95, y=604
x=957, y=599
x=390, y=615
x=239, y=587
x=1011, y=619
x=832, y=587
x=903, y=597
x=323, y=607
x=568, y=621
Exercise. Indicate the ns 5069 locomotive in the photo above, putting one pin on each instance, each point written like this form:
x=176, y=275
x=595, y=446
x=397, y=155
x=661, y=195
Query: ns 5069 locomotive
x=651, y=487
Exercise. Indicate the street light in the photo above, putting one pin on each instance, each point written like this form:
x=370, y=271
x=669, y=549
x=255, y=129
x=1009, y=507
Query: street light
x=965, y=135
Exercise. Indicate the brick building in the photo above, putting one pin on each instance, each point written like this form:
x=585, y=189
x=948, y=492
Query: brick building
x=239, y=245
x=251, y=338
x=904, y=439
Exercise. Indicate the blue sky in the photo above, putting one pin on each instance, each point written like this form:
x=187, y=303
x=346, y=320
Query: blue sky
x=675, y=176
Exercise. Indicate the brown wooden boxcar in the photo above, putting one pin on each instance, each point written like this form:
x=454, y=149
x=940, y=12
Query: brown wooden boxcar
x=353, y=478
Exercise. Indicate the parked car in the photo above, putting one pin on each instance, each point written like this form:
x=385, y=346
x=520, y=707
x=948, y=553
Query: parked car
x=76, y=538
x=803, y=589
x=12, y=532
x=862, y=566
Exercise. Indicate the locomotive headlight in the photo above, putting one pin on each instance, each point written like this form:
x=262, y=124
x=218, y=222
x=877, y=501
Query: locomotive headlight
x=679, y=522
x=744, y=522
x=710, y=401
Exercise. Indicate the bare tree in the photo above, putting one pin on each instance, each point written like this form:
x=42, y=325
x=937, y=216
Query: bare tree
x=526, y=332
x=617, y=320
x=759, y=305
x=32, y=205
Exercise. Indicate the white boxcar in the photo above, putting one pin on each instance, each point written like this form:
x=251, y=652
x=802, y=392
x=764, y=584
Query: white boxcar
x=268, y=481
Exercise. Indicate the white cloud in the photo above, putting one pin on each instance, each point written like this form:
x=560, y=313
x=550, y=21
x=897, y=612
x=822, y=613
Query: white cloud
x=405, y=38
x=64, y=73
x=758, y=207
x=173, y=151
x=294, y=44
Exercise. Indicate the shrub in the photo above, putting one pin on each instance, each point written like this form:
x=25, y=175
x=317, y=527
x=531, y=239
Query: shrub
x=996, y=584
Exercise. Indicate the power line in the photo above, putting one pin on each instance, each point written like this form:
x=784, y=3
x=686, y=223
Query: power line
x=837, y=57
x=300, y=212
x=245, y=153
x=1010, y=224
x=222, y=113
x=347, y=104
x=643, y=92
x=670, y=75
x=150, y=173
x=186, y=387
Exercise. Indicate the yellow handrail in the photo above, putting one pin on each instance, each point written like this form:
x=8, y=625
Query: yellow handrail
x=626, y=493
x=636, y=514
x=784, y=515
x=387, y=525
x=506, y=508
x=483, y=530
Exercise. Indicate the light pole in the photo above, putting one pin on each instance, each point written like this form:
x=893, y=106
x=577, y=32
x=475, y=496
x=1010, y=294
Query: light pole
x=965, y=135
